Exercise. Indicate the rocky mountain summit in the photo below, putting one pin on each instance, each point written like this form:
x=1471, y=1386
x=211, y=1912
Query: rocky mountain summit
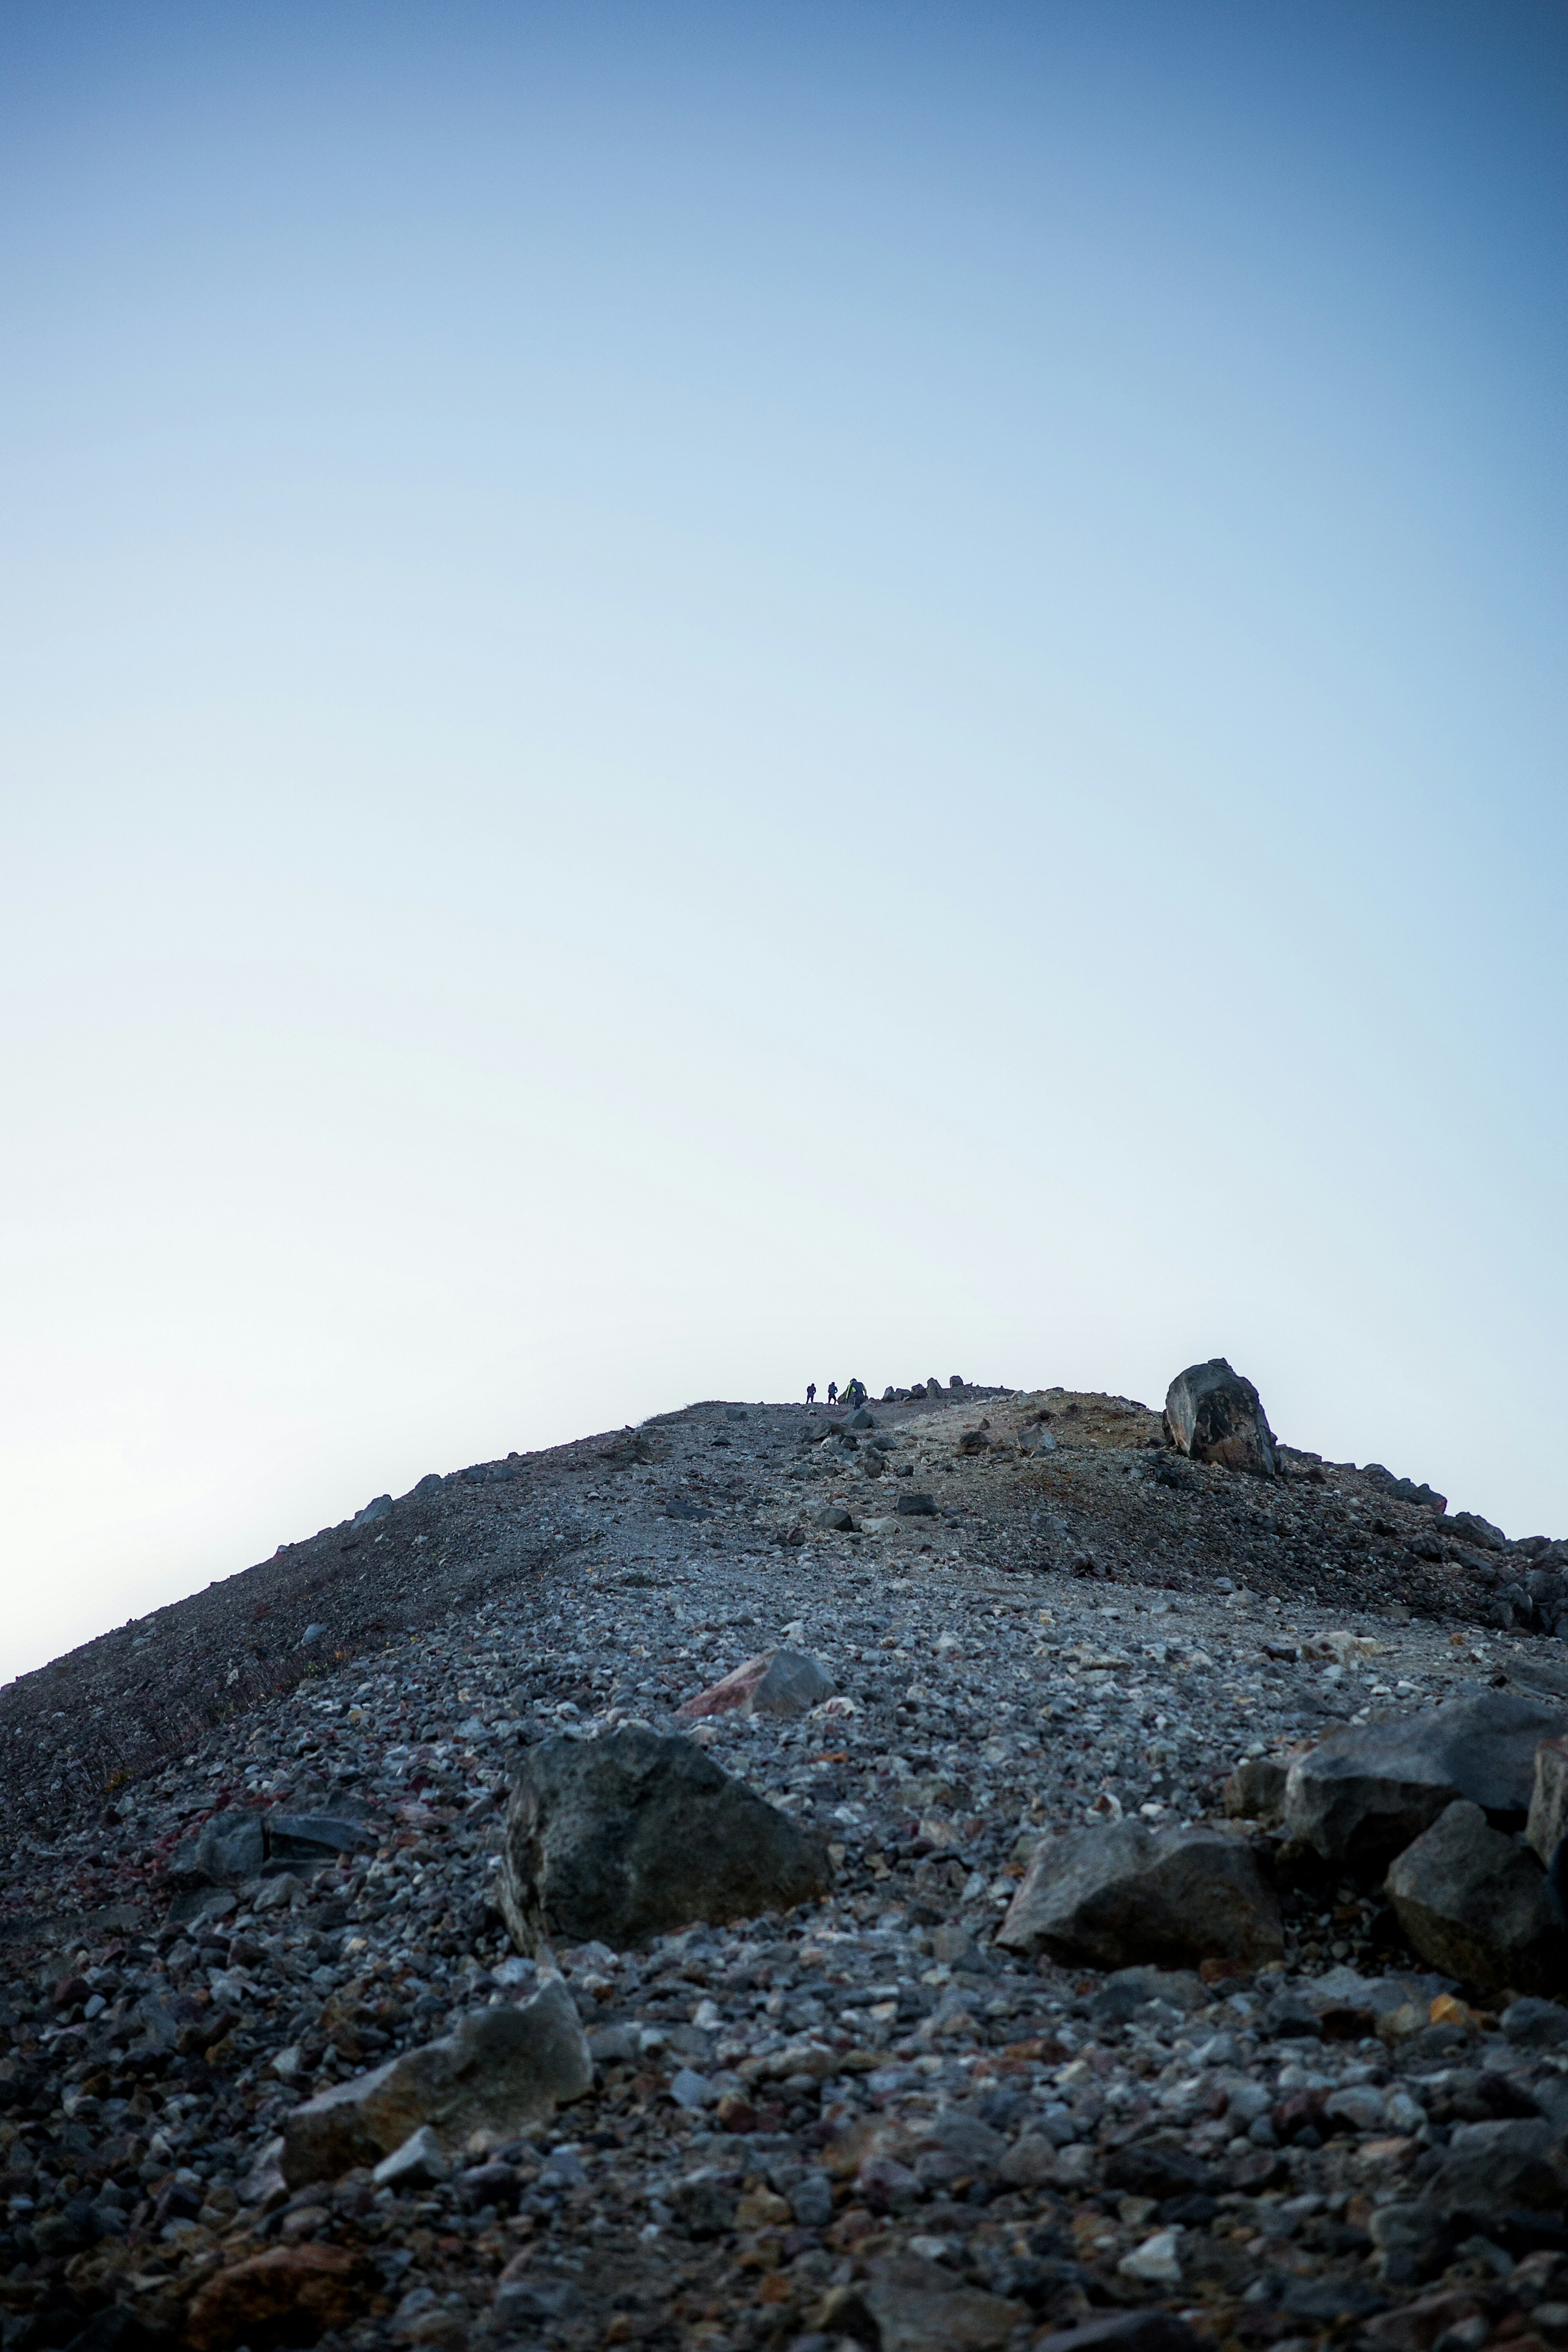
x=982, y=1869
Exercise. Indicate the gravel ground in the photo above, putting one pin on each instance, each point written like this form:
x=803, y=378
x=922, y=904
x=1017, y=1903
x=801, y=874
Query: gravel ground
x=816, y=2127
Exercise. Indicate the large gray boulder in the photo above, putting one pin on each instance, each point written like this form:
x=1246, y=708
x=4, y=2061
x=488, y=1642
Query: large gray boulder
x=1367, y=1789
x=1475, y=1904
x=1114, y=1896
x=633, y=1836
x=502, y=2069
x=1214, y=1415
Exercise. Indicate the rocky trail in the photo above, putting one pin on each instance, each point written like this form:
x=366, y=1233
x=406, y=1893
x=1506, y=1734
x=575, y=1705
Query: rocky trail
x=964, y=1872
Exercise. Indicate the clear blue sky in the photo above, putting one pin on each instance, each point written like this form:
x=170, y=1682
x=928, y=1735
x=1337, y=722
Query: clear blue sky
x=697, y=697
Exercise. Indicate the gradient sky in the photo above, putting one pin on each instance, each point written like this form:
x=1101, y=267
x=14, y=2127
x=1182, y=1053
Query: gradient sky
x=703, y=696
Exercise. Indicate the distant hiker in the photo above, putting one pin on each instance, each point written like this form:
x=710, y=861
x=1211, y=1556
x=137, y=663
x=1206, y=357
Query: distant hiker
x=811, y=1392
x=832, y=1391
x=855, y=1394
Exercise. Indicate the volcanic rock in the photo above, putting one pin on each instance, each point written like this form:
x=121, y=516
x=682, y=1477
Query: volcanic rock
x=289, y=2296
x=1476, y=1904
x=624, y=1838
x=1494, y=2169
x=503, y=2068
x=1367, y=1789
x=1123, y=1894
x=777, y=1682
x=1214, y=1415
x=910, y=2304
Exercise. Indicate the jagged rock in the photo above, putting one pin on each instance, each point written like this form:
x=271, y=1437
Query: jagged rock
x=231, y=1848
x=1124, y=1894
x=1533, y=2024
x=1476, y=1530
x=1368, y=1789
x=1475, y=1904
x=916, y=1507
x=1214, y=1415
x=1155, y=2262
x=503, y=2068
x=1547, y=1823
x=290, y=2294
x=834, y=1517
x=1494, y=2169
x=778, y=1682
x=1256, y=1789
x=1405, y=1490
x=415, y=2165
x=631, y=1836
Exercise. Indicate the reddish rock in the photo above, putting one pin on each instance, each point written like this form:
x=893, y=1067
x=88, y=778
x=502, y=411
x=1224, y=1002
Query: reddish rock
x=290, y=2294
x=777, y=1682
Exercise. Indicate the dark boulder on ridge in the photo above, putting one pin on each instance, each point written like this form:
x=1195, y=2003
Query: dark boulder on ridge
x=1214, y=1415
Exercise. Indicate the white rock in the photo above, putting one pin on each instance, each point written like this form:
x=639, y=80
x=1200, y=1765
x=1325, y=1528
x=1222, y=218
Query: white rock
x=1154, y=2262
x=415, y=2165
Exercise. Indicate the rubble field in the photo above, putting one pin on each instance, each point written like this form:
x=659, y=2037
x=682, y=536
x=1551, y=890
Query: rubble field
x=1105, y=2016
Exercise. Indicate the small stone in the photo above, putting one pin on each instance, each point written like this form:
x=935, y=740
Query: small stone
x=1534, y=2025
x=689, y=2089
x=1154, y=2262
x=1358, y=2105
x=836, y=1518
x=916, y=1507
x=1256, y=1789
x=416, y=2164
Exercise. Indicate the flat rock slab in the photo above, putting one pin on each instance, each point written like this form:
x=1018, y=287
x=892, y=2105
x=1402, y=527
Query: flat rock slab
x=1368, y=1790
x=1119, y=1894
x=622, y=1839
x=909, y=2305
x=502, y=2069
x=777, y=1682
x=1476, y=1904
